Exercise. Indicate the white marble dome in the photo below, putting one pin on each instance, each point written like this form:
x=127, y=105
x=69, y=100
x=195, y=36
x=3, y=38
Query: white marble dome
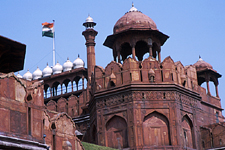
x=37, y=74
x=89, y=19
x=78, y=63
x=19, y=76
x=68, y=65
x=47, y=71
x=57, y=68
x=27, y=75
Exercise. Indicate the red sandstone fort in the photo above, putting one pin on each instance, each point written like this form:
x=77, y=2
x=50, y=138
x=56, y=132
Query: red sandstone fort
x=133, y=103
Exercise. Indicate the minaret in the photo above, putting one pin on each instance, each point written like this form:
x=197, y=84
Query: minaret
x=89, y=35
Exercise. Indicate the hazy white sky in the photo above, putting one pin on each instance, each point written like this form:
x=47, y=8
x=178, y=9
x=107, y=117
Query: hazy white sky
x=195, y=28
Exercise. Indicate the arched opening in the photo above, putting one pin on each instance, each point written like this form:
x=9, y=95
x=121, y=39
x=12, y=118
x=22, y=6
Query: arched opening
x=55, y=88
x=126, y=50
x=59, y=90
x=116, y=133
x=65, y=86
x=74, y=86
x=156, y=130
x=187, y=130
x=47, y=91
x=64, y=90
x=77, y=85
x=80, y=84
x=111, y=84
x=141, y=48
x=69, y=87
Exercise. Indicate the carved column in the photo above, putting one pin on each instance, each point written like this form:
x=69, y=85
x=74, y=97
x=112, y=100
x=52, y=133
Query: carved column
x=216, y=86
x=159, y=55
x=133, y=52
x=207, y=83
x=82, y=82
x=150, y=50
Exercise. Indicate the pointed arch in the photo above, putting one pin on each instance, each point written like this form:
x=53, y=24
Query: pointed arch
x=156, y=130
x=141, y=48
x=126, y=50
x=116, y=132
x=113, y=65
x=188, y=133
x=51, y=105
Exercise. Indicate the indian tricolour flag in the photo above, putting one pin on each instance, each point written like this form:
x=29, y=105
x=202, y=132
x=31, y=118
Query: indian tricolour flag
x=48, y=29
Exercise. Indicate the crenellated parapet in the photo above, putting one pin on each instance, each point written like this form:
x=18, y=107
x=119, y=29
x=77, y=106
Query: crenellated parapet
x=149, y=71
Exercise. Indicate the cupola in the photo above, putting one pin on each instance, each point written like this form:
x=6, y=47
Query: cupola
x=57, y=68
x=89, y=23
x=19, y=76
x=202, y=65
x=68, y=65
x=78, y=63
x=47, y=71
x=27, y=75
x=135, y=34
x=37, y=74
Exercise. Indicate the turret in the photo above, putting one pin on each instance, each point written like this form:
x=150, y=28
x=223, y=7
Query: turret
x=89, y=35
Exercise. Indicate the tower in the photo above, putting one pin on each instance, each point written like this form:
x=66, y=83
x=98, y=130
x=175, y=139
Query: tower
x=89, y=35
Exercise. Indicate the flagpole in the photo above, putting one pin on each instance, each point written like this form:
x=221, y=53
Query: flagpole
x=53, y=42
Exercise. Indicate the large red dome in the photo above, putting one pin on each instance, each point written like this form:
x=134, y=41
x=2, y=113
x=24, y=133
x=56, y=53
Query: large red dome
x=134, y=19
x=202, y=65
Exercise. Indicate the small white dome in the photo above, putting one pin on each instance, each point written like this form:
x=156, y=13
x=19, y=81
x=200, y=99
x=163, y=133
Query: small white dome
x=47, y=71
x=19, y=76
x=89, y=19
x=133, y=8
x=57, y=68
x=78, y=63
x=68, y=65
x=37, y=74
x=27, y=75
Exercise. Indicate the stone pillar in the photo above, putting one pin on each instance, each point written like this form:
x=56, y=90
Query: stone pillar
x=159, y=56
x=208, y=89
x=133, y=52
x=150, y=50
x=207, y=79
x=118, y=54
x=89, y=35
x=51, y=92
x=72, y=85
x=216, y=86
x=82, y=82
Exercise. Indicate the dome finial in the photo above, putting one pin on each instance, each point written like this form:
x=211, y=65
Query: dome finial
x=78, y=56
x=133, y=8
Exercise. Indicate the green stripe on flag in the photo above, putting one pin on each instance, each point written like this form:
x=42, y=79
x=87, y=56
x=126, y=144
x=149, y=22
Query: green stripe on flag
x=48, y=34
